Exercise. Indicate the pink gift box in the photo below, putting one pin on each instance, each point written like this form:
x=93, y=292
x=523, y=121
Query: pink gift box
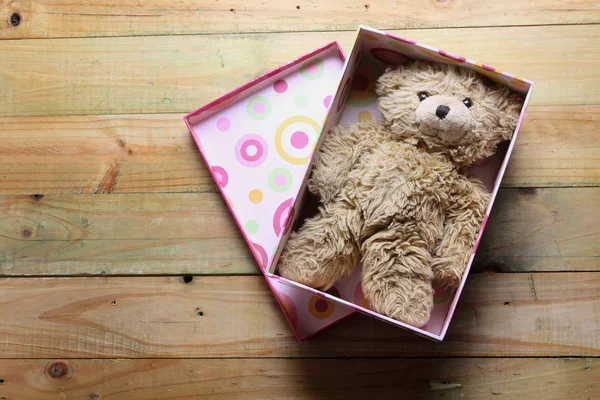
x=258, y=142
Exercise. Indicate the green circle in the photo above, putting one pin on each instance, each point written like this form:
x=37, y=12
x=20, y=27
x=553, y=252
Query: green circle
x=301, y=101
x=312, y=75
x=264, y=114
x=401, y=46
x=289, y=180
x=251, y=227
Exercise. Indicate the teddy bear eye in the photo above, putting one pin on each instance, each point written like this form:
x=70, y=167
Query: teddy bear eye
x=467, y=102
x=422, y=95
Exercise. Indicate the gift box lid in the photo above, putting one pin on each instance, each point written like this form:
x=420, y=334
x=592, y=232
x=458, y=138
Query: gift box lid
x=258, y=142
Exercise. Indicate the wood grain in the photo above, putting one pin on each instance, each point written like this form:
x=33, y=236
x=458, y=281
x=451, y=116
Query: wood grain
x=449, y=378
x=177, y=74
x=500, y=315
x=57, y=18
x=529, y=230
x=547, y=229
x=557, y=146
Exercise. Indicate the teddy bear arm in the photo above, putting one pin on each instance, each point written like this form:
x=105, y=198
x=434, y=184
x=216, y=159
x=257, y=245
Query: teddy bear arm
x=464, y=217
x=339, y=152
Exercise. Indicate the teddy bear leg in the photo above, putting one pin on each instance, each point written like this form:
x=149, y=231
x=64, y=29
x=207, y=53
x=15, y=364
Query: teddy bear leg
x=396, y=277
x=323, y=250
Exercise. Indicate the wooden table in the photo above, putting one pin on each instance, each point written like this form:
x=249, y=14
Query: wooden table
x=105, y=206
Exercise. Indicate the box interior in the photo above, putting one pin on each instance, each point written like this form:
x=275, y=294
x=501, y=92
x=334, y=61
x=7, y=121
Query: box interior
x=356, y=100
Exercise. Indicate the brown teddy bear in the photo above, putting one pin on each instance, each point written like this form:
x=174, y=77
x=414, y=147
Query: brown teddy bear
x=395, y=195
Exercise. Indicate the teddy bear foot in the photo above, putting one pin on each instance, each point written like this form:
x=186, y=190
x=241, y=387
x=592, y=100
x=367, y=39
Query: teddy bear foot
x=448, y=272
x=294, y=269
x=412, y=306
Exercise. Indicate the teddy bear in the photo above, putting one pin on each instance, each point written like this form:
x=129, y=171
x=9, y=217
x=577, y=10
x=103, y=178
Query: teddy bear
x=395, y=194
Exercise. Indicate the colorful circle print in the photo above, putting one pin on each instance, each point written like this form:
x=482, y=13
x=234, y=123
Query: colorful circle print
x=389, y=56
x=320, y=307
x=280, y=218
x=359, y=297
x=280, y=180
x=251, y=150
x=362, y=91
x=220, y=175
x=261, y=255
x=293, y=137
x=312, y=69
x=289, y=308
x=259, y=108
x=255, y=196
x=280, y=86
x=251, y=227
x=401, y=46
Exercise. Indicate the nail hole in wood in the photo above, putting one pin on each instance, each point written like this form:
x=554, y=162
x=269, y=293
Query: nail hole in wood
x=27, y=232
x=188, y=278
x=114, y=302
x=367, y=6
x=15, y=19
x=507, y=303
x=232, y=9
x=297, y=7
x=37, y=197
x=199, y=312
x=2, y=382
x=94, y=396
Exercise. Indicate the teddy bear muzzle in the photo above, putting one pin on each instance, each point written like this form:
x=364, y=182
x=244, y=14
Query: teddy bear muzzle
x=444, y=117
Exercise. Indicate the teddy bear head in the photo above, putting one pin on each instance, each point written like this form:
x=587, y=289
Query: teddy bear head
x=448, y=108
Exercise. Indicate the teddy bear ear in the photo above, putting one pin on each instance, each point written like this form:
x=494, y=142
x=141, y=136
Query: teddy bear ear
x=509, y=104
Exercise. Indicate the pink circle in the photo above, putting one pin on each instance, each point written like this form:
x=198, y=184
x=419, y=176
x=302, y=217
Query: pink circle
x=260, y=255
x=223, y=124
x=246, y=155
x=220, y=176
x=251, y=150
x=282, y=213
x=312, y=68
x=280, y=180
x=299, y=139
x=258, y=108
x=327, y=102
x=280, y=86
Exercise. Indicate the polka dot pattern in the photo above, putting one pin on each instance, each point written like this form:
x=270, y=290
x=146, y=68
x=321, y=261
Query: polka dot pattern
x=255, y=196
x=280, y=86
x=259, y=108
x=220, y=175
x=280, y=179
x=251, y=150
x=312, y=69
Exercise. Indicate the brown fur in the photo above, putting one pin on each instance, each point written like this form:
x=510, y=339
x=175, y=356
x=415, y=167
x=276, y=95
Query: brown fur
x=394, y=194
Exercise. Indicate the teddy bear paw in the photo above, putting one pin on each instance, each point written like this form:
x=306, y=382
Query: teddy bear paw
x=448, y=271
x=411, y=308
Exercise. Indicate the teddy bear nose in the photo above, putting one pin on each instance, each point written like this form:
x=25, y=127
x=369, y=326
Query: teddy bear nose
x=442, y=111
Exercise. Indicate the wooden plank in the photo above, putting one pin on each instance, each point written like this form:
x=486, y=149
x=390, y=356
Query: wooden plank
x=57, y=18
x=529, y=230
x=542, y=229
x=558, y=146
x=180, y=73
x=500, y=315
x=451, y=378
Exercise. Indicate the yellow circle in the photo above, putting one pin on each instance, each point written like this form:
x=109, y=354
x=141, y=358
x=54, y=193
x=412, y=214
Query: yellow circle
x=255, y=196
x=364, y=116
x=279, y=136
